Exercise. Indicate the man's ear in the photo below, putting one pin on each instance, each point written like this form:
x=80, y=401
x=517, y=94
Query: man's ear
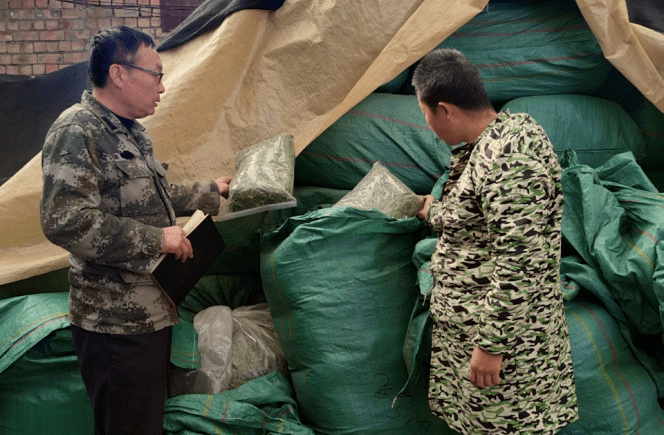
x=444, y=108
x=117, y=75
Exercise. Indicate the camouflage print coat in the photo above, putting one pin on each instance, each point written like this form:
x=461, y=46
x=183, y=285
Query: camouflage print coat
x=105, y=199
x=496, y=275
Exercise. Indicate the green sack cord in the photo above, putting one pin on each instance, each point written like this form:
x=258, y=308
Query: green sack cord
x=264, y=178
x=382, y=190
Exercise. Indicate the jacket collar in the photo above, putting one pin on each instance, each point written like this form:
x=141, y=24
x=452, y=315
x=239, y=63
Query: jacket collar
x=108, y=118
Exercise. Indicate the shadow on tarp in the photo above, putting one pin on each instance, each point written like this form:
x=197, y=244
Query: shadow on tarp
x=28, y=107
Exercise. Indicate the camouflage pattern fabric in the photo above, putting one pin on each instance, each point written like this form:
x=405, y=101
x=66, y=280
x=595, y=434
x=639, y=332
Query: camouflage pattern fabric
x=105, y=199
x=496, y=275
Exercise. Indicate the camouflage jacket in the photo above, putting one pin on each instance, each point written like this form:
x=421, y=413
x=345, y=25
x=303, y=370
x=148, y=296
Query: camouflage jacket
x=105, y=199
x=497, y=284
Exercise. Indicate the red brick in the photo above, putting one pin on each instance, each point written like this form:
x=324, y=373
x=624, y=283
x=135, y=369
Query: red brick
x=64, y=46
x=65, y=24
x=52, y=46
x=92, y=24
x=26, y=36
x=41, y=4
x=3, y=26
x=131, y=22
x=52, y=13
x=52, y=25
x=38, y=69
x=50, y=58
x=4, y=4
x=15, y=4
x=117, y=21
x=12, y=25
x=104, y=23
x=39, y=47
x=75, y=57
x=14, y=48
x=3, y=69
x=78, y=45
x=27, y=47
x=6, y=36
x=25, y=70
x=54, y=4
x=156, y=22
x=154, y=2
x=39, y=25
x=143, y=22
x=12, y=70
x=77, y=34
x=50, y=68
x=126, y=13
x=5, y=59
x=52, y=35
x=73, y=13
x=23, y=59
x=28, y=4
x=78, y=24
x=67, y=5
x=25, y=25
x=3, y=47
x=22, y=14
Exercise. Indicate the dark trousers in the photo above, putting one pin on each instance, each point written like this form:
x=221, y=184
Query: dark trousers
x=126, y=378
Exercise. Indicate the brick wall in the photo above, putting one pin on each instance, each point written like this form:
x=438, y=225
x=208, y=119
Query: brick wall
x=41, y=36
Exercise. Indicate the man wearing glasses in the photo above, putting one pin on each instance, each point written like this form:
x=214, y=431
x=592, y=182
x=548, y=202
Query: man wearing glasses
x=106, y=200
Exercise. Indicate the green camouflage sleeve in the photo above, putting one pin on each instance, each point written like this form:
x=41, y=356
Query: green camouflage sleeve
x=71, y=216
x=189, y=197
x=433, y=216
x=514, y=198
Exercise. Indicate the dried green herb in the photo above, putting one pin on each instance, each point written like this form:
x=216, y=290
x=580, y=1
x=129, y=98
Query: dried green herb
x=265, y=175
x=382, y=190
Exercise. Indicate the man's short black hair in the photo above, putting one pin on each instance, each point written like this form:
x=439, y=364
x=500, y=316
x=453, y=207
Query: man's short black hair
x=446, y=75
x=117, y=44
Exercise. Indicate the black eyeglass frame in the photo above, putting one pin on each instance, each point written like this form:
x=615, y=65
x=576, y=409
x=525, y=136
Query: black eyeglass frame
x=157, y=74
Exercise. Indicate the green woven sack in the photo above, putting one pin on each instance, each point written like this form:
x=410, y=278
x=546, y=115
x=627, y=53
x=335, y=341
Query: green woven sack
x=648, y=117
x=41, y=389
x=340, y=283
x=525, y=48
x=615, y=393
x=383, y=127
x=595, y=128
x=617, y=230
x=261, y=406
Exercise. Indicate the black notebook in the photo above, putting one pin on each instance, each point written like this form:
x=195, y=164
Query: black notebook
x=176, y=278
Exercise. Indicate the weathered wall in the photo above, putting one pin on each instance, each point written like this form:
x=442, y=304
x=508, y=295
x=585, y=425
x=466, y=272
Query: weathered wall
x=41, y=36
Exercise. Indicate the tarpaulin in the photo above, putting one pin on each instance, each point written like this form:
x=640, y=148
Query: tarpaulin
x=294, y=70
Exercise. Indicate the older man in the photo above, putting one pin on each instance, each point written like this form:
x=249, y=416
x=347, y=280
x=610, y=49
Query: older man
x=501, y=361
x=106, y=200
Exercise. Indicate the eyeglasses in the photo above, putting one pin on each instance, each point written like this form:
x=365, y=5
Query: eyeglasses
x=157, y=74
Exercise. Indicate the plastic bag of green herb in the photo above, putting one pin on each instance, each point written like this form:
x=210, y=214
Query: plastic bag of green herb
x=383, y=191
x=264, y=179
x=256, y=350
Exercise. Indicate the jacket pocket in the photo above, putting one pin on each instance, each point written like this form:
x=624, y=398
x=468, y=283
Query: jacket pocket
x=138, y=192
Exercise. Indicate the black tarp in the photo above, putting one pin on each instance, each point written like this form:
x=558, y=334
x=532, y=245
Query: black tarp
x=647, y=13
x=208, y=16
x=28, y=107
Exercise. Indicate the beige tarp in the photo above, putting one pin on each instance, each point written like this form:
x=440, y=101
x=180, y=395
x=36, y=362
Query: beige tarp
x=294, y=70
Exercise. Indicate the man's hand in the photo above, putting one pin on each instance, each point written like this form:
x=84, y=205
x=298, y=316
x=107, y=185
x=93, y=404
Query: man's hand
x=176, y=242
x=223, y=183
x=428, y=199
x=485, y=368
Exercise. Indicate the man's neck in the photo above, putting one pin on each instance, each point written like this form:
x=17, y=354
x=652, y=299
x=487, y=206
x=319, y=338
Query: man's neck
x=106, y=98
x=477, y=122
